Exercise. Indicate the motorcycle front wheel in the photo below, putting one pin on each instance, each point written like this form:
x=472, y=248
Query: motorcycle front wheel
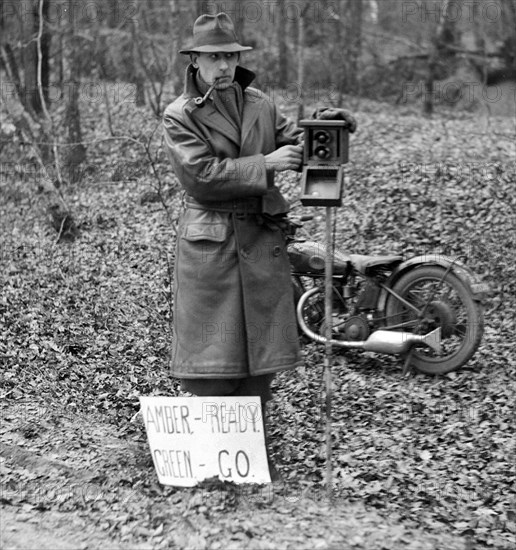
x=432, y=298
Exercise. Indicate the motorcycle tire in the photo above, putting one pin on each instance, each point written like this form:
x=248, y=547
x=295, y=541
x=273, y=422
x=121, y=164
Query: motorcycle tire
x=446, y=303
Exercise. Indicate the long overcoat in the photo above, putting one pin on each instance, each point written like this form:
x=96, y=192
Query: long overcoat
x=233, y=301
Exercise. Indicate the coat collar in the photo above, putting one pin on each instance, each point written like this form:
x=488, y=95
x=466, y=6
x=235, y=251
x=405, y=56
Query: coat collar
x=209, y=116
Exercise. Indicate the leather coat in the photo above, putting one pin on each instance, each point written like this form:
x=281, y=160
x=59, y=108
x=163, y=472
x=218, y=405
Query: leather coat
x=233, y=300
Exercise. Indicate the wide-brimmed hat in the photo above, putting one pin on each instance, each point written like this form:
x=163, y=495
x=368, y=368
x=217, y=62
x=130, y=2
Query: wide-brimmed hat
x=214, y=33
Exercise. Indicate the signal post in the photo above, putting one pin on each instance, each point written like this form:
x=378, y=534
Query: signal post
x=326, y=145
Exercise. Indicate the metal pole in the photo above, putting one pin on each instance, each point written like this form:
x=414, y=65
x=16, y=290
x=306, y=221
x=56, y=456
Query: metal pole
x=328, y=299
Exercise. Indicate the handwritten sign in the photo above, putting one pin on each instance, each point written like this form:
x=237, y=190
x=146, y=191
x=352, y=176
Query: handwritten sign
x=194, y=438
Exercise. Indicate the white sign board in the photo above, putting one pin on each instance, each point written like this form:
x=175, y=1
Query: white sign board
x=194, y=438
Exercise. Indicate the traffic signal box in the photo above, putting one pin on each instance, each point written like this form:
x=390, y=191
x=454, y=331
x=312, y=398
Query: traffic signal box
x=326, y=150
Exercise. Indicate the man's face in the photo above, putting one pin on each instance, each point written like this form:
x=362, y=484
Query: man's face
x=217, y=65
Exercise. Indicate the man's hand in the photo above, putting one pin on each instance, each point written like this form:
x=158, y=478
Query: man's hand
x=288, y=157
x=333, y=113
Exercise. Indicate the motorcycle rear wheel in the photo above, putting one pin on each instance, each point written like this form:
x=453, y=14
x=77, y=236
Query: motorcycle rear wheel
x=444, y=301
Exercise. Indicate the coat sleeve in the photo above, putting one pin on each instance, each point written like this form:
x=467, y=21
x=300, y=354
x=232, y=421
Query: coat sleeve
x=287, y=133
x=204, y=176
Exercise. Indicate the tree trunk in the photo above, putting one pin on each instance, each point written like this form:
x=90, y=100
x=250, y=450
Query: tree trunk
x=440, y=39
x=11, y=68
x=46, y=39
x=137, y=78
x=293, y=32
x=180, y=25
x=59, y=62
x=76, y=153
x=281, y=37
x=301, y=63
x=509, y=17
x=30, y=97
x=335, y=54
x=113, y=9
x=237, y=15
x=355, y=8
x=199, y=6
x=139, y=83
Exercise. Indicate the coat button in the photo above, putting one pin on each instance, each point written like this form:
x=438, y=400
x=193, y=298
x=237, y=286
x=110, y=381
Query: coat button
x=244, y=252
x=276, y=251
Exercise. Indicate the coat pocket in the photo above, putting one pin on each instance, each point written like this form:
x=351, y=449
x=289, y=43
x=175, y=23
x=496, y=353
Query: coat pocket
x=213, y=232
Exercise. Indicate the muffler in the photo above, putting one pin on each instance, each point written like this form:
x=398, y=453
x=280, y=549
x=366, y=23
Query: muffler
x=391, y=342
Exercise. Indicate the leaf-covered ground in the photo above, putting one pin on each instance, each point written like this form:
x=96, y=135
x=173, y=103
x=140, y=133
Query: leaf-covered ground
x=418, y=463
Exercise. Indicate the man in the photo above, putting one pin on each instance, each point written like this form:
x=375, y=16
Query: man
x=234, y=318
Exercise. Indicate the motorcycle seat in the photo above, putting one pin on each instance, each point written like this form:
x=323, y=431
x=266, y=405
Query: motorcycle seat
x=341, y=263
x=364, y=264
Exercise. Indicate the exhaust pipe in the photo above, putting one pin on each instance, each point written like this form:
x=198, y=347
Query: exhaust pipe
x=381, y=341
x=385, y=341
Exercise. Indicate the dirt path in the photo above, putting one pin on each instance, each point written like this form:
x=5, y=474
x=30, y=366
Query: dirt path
x=80, y=485
x=27, y=529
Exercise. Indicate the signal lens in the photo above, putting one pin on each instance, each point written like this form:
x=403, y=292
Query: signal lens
x=322, y=152
x=322, y=136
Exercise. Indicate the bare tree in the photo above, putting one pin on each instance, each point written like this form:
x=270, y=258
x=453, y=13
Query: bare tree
x=300, y=48
x=355, y=10
x=281, y=38
x=180, y=22
x=199, y=7
x=440, y=40
x=76, y=152
x=345, y=54
x=30, y=97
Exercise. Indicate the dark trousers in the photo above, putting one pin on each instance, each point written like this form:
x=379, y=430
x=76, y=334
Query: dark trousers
x=252, y=385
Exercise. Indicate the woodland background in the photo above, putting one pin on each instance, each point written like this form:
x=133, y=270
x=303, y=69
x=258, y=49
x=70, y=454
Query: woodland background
x=459, y=53
x=88, y=207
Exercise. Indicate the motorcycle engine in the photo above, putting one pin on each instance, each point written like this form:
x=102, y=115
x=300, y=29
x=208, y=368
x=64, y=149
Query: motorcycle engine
x=356, y=328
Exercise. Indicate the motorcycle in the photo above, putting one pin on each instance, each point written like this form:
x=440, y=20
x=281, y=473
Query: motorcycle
x=428, y=309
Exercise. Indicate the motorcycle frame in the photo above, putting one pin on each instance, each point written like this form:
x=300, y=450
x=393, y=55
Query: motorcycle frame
x=477, y=289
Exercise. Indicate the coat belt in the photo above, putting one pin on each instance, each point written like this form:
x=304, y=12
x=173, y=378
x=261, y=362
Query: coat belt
x=250, y=205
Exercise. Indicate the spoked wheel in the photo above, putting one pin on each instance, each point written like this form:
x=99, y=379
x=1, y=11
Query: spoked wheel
x=433, y=298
